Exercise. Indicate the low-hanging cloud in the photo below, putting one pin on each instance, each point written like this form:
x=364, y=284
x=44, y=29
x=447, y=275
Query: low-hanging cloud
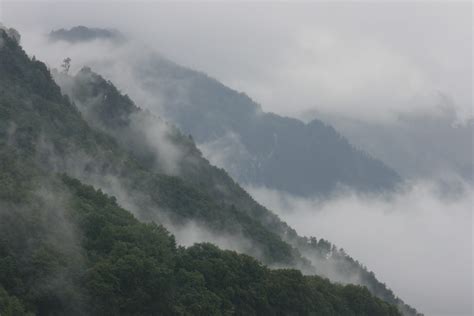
x=362, y=79
x=418, y=241
x=144, y=132
x=43, y=205
x=371, y=61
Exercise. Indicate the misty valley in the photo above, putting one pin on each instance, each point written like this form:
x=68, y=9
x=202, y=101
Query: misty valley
x=133, y=185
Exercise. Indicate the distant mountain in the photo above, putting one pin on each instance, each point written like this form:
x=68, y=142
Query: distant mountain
x=435, y=147
x=84, y=34
x=255, y=147
x=66, y=248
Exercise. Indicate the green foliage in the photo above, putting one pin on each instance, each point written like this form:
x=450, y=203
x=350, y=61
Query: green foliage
x=66, y=248
x=205, y=193
x=116, y=265
x=11, y=305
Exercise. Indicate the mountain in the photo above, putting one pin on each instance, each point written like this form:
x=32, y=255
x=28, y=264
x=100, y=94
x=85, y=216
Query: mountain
x=68, y=248
x=434, y=147
x=263, y=149
x=95, y=96
x=81, y=33
x=255, y=147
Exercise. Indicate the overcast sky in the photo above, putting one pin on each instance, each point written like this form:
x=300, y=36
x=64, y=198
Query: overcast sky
x=366, y=60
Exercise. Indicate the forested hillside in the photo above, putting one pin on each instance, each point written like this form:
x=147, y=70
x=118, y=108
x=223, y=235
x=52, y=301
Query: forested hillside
x=103, y=106
x=65, y=243
x=255, y=147
x=67, y=249
x=260, y=148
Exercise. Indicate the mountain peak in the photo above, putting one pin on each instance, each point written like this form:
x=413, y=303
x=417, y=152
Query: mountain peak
x=11, y=33
x=82, y=33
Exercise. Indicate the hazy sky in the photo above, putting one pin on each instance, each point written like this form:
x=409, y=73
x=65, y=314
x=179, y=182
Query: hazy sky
x=369, y=60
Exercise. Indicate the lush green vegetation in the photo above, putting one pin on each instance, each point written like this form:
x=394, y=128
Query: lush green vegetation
x=80, y=253
x=113, y=115
x=66, y=248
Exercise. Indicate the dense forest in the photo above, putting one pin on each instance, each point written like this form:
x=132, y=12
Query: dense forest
x=69, y=248
x=103, y=106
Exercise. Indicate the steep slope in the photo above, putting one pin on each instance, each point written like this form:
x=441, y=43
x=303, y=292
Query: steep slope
x=44, y=129
x=95, y=96
x=418, y=146
x=255, y=147
x=68, y=249
x=262, y=148
x=191, y=189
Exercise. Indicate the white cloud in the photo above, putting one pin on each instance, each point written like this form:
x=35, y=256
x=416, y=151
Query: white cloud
x=345, y=75
x=416, y=241
x=363, y=59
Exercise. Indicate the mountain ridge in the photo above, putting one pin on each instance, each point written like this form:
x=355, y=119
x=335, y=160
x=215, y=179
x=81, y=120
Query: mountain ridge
x=83, y=78
x=42, y=127
x=82, y=33
x=236, y=134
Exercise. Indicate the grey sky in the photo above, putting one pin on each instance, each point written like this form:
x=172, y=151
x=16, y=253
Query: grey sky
x=362, y=59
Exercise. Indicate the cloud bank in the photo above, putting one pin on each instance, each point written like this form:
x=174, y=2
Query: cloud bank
x=366, y=60
x=418, y=241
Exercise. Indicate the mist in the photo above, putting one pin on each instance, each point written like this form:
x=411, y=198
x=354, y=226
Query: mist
x=46, y=203
x=371, y=61
x=405, y=97
x=146, y=133
x=418, y=241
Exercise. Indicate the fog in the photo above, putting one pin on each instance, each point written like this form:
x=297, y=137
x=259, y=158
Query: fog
x=395, y=79
x=417, y=241
x=145, y=133
x=44, y=205
x=367, y=60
